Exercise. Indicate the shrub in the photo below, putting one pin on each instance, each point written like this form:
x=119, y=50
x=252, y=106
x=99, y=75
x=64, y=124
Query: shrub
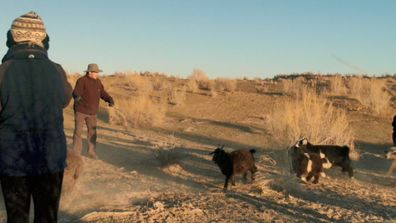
x=139, y=83
x=337, y=85
x=225, y=84
x=72, y=78
x=312, y=117
x=138, y=111
x=371, y=93
x=168, y=154
x=177, y=96
x=202, y=80
x=293, y=86
x=191, y=86
x=159, y=83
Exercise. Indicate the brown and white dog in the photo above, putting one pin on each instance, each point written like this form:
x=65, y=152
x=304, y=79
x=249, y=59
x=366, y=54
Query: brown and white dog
x=391, y=155
x=308, y=164
x=337, y=155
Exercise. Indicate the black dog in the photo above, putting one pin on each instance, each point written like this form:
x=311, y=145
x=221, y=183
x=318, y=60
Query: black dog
x=234, y=163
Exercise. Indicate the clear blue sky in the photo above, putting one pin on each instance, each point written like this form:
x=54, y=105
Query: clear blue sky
x=228, y=38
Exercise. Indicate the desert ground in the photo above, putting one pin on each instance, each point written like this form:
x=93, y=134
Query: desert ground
x=163, y=172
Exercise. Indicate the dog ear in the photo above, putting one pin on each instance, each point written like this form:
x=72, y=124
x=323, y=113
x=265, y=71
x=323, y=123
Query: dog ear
x=222, y=146
x=303, y=141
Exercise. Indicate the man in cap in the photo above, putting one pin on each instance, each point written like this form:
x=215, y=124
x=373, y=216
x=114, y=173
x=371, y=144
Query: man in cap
x=33, y=92
x=87, y=93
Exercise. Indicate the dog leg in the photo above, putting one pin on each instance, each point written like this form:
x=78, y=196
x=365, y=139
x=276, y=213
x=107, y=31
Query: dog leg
x=390, y=170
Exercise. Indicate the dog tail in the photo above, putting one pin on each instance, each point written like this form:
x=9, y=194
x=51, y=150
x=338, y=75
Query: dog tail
x=353, y=154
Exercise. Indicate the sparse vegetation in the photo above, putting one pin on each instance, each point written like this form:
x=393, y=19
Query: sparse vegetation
x=150, y=178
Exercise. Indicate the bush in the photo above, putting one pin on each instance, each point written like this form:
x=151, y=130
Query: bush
x=371, y=93
x=202, y=80
x=168, y=154
x=138, y=111
x=224, y=84
x=338, y=86
x=312, y=117
x=192, y=86
x=72, y=78
x=139, y=83
x=177, y=96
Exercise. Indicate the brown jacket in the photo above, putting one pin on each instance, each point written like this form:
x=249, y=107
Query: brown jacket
x=87, y=93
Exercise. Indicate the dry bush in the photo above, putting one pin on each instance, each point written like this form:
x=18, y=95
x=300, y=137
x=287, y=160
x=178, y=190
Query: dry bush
x=293, y=86
x=139, y=83
x=261, y=89
x=168, y=154
x=312, y=117
x=288, y=86
x=191, y=86
x=138, y=111
x=337, y=85
x=72, y=78
x=212, y=93
x=225, y=84
x=371, y=93
x=177, y=96
x=160, y=84
x=207, y=85
x=202, y=80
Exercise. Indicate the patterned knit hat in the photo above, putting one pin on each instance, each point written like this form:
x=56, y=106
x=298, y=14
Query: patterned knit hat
x=28, y=28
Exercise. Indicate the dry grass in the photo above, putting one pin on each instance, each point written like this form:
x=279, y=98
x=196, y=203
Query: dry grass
x=371, y=93
x=338, y=86
x=312, y=117
x=192, y=86
x=202, y=80
x=160, y=84
x=225, y=84
x=177, y=96
x=138, y=111
x=72, y=78
x=139, y=83
x=293, y=86
x=167, y=154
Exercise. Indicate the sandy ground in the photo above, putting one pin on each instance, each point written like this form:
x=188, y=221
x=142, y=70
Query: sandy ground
x=129, y=184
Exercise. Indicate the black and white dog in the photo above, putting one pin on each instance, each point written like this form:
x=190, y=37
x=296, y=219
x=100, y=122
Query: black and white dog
x=307, y=164
x=337, y=155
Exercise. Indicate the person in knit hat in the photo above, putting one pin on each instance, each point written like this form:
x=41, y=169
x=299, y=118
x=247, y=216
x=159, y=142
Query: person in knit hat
x=87, y=94
x=33, y=93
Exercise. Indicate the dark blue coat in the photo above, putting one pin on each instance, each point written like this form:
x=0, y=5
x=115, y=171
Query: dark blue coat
x=33, y=92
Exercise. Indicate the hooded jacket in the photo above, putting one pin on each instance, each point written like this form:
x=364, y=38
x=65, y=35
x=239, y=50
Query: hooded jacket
x=33, y=92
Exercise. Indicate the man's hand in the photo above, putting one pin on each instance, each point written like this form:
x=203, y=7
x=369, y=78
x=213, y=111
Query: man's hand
x=77, y=98
x=111, y=103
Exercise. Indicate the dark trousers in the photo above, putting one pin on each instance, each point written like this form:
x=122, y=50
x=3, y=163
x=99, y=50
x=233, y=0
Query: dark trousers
x=90, y=121
x=394, y=138
x=45, y=191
